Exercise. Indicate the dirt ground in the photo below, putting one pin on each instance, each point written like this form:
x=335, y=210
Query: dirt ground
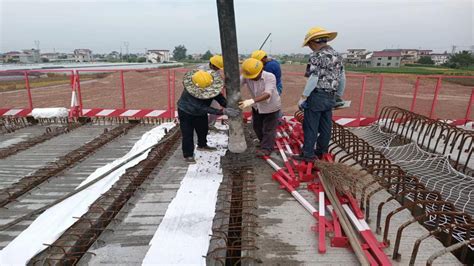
x=150, y=90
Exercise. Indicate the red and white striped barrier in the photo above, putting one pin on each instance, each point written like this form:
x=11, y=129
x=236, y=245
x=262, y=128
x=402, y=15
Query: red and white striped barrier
x=139, y=113
x=372, y=244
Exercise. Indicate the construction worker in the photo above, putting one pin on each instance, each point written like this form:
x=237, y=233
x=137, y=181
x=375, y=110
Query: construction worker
x=216, y=63
x=265, y=103
x=319, y=95
x=270, y=65
x=200, y=89
x=340, y=89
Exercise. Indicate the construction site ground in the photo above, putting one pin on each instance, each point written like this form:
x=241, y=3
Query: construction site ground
x=284, y=229
x=286, y=237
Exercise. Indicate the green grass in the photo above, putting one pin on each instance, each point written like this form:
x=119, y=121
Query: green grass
x=428, y=70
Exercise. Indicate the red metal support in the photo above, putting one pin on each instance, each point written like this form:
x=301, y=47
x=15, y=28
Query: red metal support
x=415, y=94
x=361, y=100
x=469, y=106
x=173, y=95
x=123, y=88
x=78, y=87
x=169, y=93
x=379, y=97
x=435, y=97
x=28, y=90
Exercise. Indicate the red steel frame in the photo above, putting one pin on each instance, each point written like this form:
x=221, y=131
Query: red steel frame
x=359, y=118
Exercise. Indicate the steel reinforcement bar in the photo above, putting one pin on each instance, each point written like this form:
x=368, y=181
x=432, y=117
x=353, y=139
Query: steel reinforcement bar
x=427, y=206
x=431, y=135
x=234, y=230
x=69, y=248
x=26, y=144
x=29, y=182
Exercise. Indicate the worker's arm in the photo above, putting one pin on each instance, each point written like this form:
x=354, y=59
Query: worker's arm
x=311, y=84
x=342, y=84
x=221, y=100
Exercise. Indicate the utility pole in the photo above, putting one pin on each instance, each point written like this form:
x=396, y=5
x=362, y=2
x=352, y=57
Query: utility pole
x=225, y=13
x=126, y=47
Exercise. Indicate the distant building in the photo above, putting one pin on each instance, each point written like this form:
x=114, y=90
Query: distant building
x=196, y=56
x=358, y=57
x=410, y=56
x=50, y=56
x=157, y=56
x=1, y=58
x=83, y=55
x=386, y=59
x=30, y=56
x=12, y=57
x=440, y=59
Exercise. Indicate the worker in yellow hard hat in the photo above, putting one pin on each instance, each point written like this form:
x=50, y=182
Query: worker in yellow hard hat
x=265, y=103
x=270, y=65
x=216, y=63
x=200, y=89
x=319, y=95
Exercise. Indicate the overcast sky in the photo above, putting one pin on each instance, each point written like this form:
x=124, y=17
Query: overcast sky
x=104, y=25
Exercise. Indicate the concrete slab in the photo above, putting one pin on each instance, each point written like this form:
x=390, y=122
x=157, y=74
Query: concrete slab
x=65, y=182
x=126, y=243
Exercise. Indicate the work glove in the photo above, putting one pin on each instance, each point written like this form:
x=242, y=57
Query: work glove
x=302, y=103
x=231, y=112
x=246, y=103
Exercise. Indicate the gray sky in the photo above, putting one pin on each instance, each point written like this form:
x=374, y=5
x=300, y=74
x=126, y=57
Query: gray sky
x=103, y=25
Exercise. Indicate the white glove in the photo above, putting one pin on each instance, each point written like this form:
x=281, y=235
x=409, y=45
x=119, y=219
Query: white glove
x=246, y=103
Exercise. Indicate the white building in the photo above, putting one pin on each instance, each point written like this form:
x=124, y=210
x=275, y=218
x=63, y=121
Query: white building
x=30, y=56
x=83, y=55
x=358, y=57
x=157, y=56
x=440, y=59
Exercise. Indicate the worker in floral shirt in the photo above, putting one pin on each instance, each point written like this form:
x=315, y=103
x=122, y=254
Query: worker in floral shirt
x=319, y=95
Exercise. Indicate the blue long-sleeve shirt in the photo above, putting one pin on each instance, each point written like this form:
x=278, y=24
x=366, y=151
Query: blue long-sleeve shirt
x=273, y=67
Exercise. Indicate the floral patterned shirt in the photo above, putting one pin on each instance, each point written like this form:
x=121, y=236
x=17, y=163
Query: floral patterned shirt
x=326, y=65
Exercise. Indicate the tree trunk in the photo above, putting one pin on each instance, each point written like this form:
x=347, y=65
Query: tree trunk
x=225, y=13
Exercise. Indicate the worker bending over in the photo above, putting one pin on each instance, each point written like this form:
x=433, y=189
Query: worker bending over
x=265, y=103
x=270, y=65
x=200, y=89
x=216, y=63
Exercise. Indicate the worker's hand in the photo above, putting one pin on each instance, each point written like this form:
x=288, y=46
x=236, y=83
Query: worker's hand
x=246, y=103
x=231, y=112
x=301, y=103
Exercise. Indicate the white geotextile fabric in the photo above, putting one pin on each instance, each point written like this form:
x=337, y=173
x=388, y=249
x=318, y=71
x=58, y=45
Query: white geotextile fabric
x=49, y=112
x=184, y=233
x=54, y=221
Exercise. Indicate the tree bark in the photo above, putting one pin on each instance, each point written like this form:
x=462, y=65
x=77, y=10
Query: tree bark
x=225, y=13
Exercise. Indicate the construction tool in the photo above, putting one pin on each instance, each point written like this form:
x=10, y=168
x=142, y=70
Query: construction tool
x=261, y=46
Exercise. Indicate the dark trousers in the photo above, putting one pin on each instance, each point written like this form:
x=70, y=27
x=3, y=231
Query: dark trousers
x=188, y=124
x=265, y=126
x=317, y=121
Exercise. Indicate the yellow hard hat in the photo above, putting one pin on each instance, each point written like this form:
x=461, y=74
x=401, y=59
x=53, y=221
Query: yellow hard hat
x=202, y=79
x=217, y=61
x=318, y=32
x=258, y=54
x=251, y=67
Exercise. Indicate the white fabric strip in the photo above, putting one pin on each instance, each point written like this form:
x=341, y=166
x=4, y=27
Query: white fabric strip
x=183, y=235
x=53, y=222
